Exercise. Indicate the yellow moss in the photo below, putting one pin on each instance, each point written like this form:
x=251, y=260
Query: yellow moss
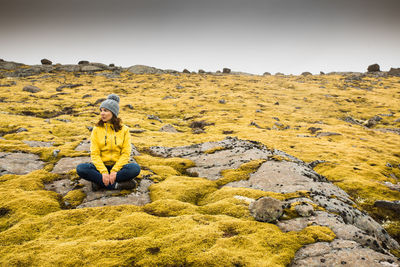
x=179, y=164
x=126, y=236
x=74, y=197
x=182, y=188
x=214, y=149
x=242, y=173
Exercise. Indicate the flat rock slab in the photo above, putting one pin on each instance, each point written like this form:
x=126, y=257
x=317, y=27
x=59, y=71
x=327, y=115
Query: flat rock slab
x=38, y=143
x=283, y=173
x=140, y=196
x=64, y=165
x=19, y=163
x=341, y=253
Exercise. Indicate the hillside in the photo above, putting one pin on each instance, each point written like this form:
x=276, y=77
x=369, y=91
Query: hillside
x=343, y=129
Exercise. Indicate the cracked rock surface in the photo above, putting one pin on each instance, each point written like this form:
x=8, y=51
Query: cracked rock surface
x=360, y=241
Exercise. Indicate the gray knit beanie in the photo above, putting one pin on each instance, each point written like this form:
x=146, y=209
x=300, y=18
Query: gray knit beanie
x=112, y=104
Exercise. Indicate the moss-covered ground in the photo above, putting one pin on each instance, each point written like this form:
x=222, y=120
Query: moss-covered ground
x=191, y=220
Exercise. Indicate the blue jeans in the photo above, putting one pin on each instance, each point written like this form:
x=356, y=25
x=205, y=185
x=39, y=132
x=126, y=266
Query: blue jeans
x=89, y=172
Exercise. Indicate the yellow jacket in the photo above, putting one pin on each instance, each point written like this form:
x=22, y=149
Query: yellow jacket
x=108, y=147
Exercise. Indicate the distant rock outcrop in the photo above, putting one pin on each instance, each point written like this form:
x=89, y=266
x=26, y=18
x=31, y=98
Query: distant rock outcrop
x=46, y=62
x=394, y=72
x=373, y=68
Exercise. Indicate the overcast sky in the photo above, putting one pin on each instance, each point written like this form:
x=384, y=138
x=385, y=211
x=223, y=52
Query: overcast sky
x=289, y=36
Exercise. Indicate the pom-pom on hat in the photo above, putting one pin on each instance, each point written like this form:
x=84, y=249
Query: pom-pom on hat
x=112, y=104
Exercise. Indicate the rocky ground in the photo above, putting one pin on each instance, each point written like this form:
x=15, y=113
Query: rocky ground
x=202, y=191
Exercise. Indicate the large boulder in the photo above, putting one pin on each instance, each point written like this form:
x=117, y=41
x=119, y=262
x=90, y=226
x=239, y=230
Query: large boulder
x=394, y=72
x=142, y=69
x=31, y=89
x=46, y=62
x=266, y=209
x=373, y=68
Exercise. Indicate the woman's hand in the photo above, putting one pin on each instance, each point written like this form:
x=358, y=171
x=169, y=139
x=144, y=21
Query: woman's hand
x=113, y=177
x=106, y=179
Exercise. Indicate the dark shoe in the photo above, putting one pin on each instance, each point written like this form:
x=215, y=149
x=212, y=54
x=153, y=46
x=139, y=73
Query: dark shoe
x=128, y=185
x=96, y=187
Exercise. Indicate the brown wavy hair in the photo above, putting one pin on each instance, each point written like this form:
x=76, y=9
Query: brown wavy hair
x=115, y=121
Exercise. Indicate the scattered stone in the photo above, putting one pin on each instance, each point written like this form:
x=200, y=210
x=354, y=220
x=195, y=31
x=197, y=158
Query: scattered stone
x=226, y=70
x=55, y=153
x=266, y=74
x=200, y=124
x=313, y=130
x=90, y=128
x=186, y=71
x=154, y=117
x=279, y=74
x=19, y=163
x=306, y=73
x=83, y=62
x=20, y=130
x=86, y=96
x=304, y=209
x=136, y=130
x=373, y=68
x=201, y=71
x=111, y=65
x=227, y=132
x=327, y=134
x=276, y=103
x=31, y=89
x=391, y=205
x=322, y=73
x=179, y=87
x=83, y=146
x=392, y=186
x=168, y=128
x=46, y=62
x=129, y=106
x=59, y=89
x=255, y=124
x=222, y=101
x=373, y=121
x=64, y=165
x=266, y=209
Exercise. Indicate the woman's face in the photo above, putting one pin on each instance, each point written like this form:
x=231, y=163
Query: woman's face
x=105, y=114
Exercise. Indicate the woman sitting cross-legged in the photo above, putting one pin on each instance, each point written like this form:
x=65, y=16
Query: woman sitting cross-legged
x=110, y=149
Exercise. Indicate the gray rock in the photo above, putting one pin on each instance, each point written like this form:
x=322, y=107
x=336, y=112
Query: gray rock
x=142, y=69
x=341, y=253
x=226, y=70
x=88, y=68
x=304, y=209
x=326, y=134
x=20, y=130
x=19, y=163
x=267, y=74
x=168, y=128
x=154, y=117
x=38, y=143
x=31, y=89
x=64, y=165
x=83, y=146
x=266, y=209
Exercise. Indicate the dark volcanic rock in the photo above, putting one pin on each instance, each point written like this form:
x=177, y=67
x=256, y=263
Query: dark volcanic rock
x=394, y=72
x=31, y=89
x=226, y=70
x=83, y=62
x=373, y=68
x=46, y=62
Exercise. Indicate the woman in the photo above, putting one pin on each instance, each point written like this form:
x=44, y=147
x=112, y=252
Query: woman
x=110, y=149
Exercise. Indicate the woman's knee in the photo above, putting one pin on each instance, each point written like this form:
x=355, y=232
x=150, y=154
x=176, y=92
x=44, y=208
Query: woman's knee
x=134, y=169
x=82, y=168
